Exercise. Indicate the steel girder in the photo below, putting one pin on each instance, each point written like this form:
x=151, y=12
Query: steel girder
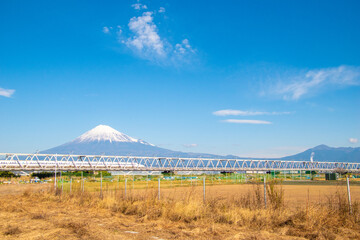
x=62, y=162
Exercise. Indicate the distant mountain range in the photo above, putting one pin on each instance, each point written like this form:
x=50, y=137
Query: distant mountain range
x=325, y=153
x=104, y=140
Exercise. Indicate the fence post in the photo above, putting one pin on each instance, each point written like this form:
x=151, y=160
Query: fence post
x=118, y=182
x=159, y=188
x=70, y=183
x=55, y=178
x=62, y=185
x=265, y=190
x=82, y=181
x=348, y=192
x=125, y=186
x=204, y=188
x=101, y=192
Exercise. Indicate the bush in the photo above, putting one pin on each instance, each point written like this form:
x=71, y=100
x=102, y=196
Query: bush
x=42, y=175
x=104, y=174
x=7, y=174
x=78, y=173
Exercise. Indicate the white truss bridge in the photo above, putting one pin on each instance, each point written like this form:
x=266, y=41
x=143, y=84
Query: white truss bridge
x=61, y=162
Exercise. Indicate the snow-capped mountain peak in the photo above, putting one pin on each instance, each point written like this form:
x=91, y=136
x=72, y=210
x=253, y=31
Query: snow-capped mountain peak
x=107, y=133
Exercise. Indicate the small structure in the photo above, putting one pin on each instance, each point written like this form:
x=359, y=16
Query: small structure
x=330, y=176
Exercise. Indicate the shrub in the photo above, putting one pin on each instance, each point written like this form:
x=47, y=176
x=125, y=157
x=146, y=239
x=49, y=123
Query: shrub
x=7, y=174
x=43, y=175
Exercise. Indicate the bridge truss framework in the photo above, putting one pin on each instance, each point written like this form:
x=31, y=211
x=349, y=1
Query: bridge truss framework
x=61, y=162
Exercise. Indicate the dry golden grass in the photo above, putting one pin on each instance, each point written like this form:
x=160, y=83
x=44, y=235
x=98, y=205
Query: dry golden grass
x=41, y=213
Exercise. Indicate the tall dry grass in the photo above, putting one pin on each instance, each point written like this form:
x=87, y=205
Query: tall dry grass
x=329, y=220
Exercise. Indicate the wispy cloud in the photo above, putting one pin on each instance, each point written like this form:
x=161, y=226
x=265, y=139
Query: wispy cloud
x=353, y=140
x=183, y=47
x=192, y=145
x=304, y=83
x=246, y=121
x=139, y=6
x=231, y=112
x=106, y=30
x=6, y=92
x=143, y=38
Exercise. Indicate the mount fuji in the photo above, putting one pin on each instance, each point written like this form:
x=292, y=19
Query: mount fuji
x=105, y=140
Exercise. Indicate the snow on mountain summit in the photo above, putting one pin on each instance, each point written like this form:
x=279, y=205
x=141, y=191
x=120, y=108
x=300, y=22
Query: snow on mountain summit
x=107, y=133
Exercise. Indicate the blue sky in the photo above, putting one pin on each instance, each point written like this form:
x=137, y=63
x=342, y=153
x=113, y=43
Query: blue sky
x=249, y=78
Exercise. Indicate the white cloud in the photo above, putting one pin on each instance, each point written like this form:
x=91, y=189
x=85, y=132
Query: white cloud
x=119, y=33
x=183, y=47
x=148, y=44
x=246, y=121
x=139, y=6
x=192, y=145
x=6, y=92
x=146, y=40
x=106, y=30
x=296, y=86
x=143, y=38
x=231, y=112
x=353, y=140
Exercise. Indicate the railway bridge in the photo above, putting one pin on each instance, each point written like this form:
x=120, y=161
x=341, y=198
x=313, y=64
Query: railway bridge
x=68, y=162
